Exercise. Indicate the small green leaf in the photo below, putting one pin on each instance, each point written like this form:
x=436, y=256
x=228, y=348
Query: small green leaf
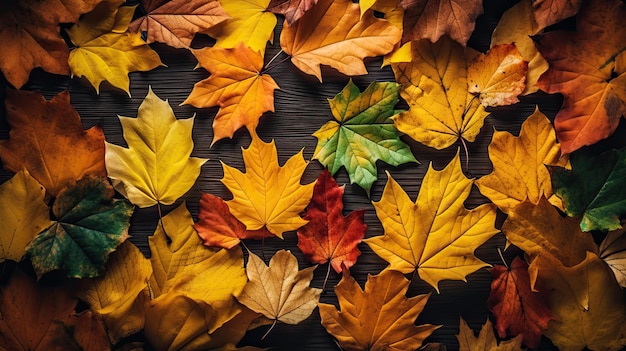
x=89, y=225
x=594, y=189
x=362, y=133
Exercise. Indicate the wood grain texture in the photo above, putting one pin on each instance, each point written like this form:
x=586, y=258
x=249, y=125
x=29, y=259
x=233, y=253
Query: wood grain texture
x=301, y=107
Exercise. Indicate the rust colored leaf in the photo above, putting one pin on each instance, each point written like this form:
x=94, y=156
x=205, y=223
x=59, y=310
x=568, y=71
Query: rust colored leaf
x=48, y=139
x=291, y=9
x=330, y=235
x=549, y=12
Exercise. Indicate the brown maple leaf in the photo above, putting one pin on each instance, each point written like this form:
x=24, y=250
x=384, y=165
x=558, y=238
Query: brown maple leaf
x=30, y=36
x=549, y=12
x=291, y=9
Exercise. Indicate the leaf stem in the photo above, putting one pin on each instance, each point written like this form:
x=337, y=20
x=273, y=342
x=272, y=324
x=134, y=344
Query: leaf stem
x=502, y=258
x=270, y=329
x=466, y=154
x=326, y=278
x=274, y=57
x=268, y=68
x=161, y=217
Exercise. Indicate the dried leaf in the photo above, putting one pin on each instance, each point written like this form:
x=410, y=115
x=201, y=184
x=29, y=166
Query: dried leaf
x=613, y=251
x=291, y=9
x=549, y=12
x=486, y=340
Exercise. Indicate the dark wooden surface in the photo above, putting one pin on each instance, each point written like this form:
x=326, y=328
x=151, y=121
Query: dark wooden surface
x=301, y=108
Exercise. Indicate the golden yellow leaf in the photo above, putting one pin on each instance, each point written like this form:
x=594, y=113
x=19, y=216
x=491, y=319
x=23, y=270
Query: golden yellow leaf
x=157, y=167
x=486, y=340
x=105, y=50
x=380, y=317
x=332, y=34
x=267, y=194
x=436, y=235
x=519, y=164
x=236, y=85
x=498, y=76
x=279, y=291
x=517, y=26
x=250, y=24
x=441, y=109
x=23, y=214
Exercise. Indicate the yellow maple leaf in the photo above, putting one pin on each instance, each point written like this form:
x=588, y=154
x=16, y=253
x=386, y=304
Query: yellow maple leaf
x=267, y=194
x=157, y=167
x=105, y=50
x=519, y=164
x=236, y=85
x=23, y=214
x=486, y=340
x=436, y=235
x=332, y=34
x=250, y=24
x=380, y=317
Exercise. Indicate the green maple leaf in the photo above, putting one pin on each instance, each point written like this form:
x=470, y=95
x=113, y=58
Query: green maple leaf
x=89, y=225
x=593, y=189
x=362, y=133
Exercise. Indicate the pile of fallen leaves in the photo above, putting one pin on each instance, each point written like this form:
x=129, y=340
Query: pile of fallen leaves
x=66, y=211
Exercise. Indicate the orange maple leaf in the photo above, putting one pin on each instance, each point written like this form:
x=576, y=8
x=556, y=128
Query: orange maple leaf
x=30, y=36
x=236, y=85
x=587, y=67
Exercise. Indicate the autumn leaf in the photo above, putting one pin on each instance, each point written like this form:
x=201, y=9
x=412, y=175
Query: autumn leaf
x=517, y=25
x=549, y=12
x=249, y=24
x=105, y=51
x=438, y=116
x=486, y=340
x=517, y=309
x=362, y=133
x=41, y=318
x=31, y=37
x=613, y=251
x=432, y=19
x=156, y=168
x=23, y=214
x=291, y=9
x=519, y=164
x=176, y=22
x=279, y=291
x=380, y=317
x=329, y=235
x=583, y=68
x=236, y=85
x=219, y=228
x=88, y=225
x=332, y=34
x=597, y=322
x=498, y=76
x=268, y=194
x=47, y=139
x=436, y=235
x=593, y=189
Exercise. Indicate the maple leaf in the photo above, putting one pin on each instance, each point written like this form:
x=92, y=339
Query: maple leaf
x=279, y=291
x=218, y=227
x=176, y=22
x=236, y=85
x=549, y=12
x=30, y=36
x=293, y=10
x=517, y=26
x=249, y=24
x=329, y=236
x=436, y=235
x=486, y=340
x=583, y=68
x=41, y=318
x=588, y=304
x=432, y=19
x=380, y=317
x=157, y=167
x=441, y=109
x=613, y=251
x=600, y=202
x=519, y=164
x=362, y=133
x=322, y=37
x=267, y=194
x=23, y=214
x=47, y=139
x=105, y=51
x=517, y=309
x=538, y=229
x=498, y=76
x=89, y=224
